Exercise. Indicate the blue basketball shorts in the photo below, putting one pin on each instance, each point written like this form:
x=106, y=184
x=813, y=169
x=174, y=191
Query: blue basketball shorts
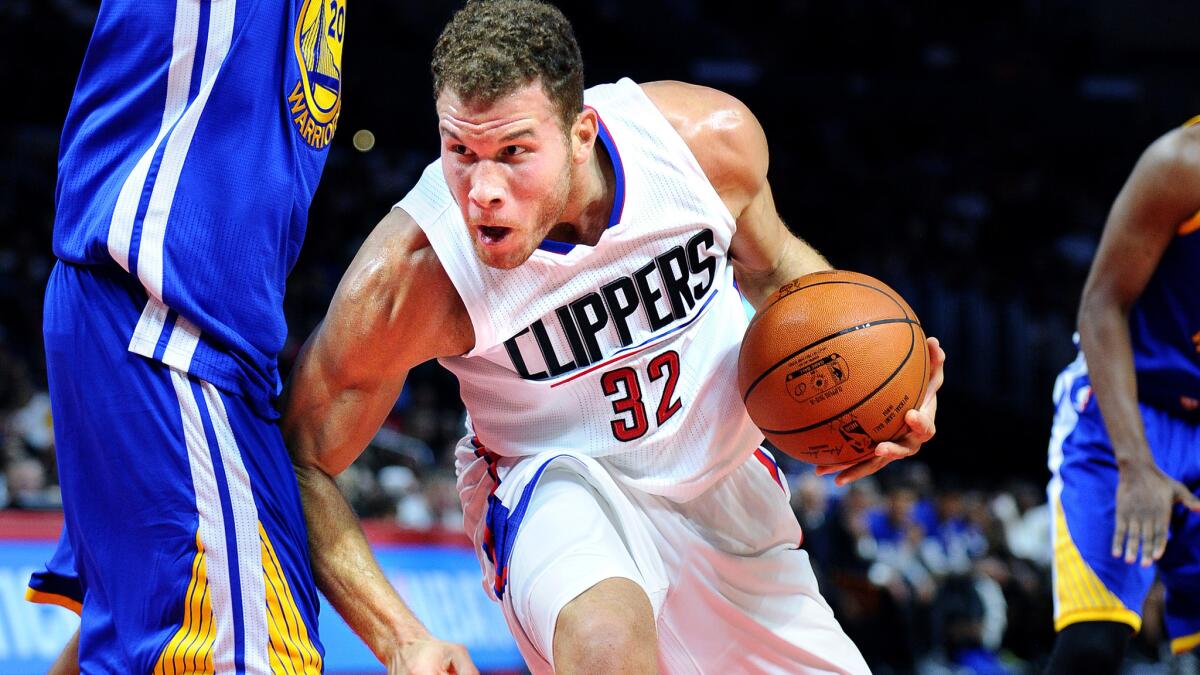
x=184, y=546
x=1089, y=583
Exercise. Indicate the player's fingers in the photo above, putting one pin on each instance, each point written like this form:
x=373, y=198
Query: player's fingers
x=921, y=426
x=1132, y=539
x=937, y=361
x=827, y=469
x=461, y=662
x=1151, y=531
x=1158, y=543
x=1184, y=496
x=1119, y=532
x=862, y=470
x=896, y=449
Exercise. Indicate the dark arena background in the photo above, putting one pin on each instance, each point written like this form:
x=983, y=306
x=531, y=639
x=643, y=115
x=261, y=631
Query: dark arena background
x=966, y=153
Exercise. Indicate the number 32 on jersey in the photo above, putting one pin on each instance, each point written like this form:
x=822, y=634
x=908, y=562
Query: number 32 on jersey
x=632, y=422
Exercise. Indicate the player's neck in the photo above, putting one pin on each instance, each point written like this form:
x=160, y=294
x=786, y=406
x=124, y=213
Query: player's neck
x=590, y=206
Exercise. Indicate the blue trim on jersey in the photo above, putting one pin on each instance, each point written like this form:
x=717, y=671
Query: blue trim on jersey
x=235, y=578
x=618, y=207
x=556, y=246
x=618, y=173
x=676, y=329
x=160, y=347
x=504, y=525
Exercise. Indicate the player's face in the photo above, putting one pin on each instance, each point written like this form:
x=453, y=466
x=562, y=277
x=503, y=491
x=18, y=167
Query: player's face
x=508, y=165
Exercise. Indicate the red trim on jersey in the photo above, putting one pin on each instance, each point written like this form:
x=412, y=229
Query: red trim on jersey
x=598, y=366
x=765, y=459
x=489, y=539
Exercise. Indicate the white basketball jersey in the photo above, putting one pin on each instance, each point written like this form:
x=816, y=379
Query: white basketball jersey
x=625, y=351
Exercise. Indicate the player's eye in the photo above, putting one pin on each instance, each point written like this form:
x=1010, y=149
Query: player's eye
x=460, y=149
x=513, y=150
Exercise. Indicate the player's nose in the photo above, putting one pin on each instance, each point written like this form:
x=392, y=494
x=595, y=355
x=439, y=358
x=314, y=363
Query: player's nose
x=487, y=188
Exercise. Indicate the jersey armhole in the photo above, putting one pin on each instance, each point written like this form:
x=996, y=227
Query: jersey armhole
x=468, y=290
x=670, y=136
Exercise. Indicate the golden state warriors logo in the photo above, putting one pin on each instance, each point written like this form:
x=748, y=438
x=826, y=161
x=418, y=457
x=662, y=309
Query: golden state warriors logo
x=316, y=99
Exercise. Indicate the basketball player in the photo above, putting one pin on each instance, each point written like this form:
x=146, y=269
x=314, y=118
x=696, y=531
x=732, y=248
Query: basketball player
x=571, y=258
x=1123, y=449
x=185, y=547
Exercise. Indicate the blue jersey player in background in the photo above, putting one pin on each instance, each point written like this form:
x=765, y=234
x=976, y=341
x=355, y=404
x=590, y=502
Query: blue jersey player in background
x=1125, y=447
x=194, y=142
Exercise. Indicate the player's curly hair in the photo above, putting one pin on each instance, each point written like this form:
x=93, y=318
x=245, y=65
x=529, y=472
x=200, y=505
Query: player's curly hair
x=491, y=48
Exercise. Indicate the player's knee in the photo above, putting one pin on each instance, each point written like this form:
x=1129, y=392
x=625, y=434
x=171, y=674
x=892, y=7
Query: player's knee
x=1089, y=647
x=608, y=628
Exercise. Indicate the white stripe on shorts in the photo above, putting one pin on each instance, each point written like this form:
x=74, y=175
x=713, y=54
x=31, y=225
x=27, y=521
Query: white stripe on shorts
x=212, y=523
x=1066, y=417
x=245, y=525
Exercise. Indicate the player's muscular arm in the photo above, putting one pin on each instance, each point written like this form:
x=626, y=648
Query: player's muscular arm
x=731, y=147
x=1162, y=191
x=394, y=309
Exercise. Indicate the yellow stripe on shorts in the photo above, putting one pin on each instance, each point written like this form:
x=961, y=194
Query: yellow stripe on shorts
x=291, y=650
x=44, y=598
x=190, y=650
x=1079, y=595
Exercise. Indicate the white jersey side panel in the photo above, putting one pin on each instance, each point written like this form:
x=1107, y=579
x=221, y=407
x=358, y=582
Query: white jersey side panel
x=625, y=351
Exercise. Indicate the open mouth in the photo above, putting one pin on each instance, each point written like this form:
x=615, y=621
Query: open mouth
x=493, y=234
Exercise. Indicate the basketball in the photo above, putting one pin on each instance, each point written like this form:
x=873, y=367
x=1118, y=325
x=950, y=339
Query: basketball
x=830, y=366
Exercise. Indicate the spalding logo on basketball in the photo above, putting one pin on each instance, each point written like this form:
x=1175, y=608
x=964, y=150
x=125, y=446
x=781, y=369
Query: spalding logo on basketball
x=816, y=375
x=830, y=366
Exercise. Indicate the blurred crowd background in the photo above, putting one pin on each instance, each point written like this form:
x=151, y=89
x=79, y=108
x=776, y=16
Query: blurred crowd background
x=965, y=153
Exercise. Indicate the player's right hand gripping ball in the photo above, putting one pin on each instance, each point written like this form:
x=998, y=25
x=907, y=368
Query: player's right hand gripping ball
x=829, y=367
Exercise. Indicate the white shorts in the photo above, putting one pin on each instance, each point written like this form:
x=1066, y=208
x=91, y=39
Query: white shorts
x=730, y=588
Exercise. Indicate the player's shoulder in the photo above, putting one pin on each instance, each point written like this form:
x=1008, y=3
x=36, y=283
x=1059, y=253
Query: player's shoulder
x=397, y=275
x=1177, y=151
x=721, y=131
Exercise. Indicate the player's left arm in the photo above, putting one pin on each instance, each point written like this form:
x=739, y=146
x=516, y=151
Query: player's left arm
x=731, y=147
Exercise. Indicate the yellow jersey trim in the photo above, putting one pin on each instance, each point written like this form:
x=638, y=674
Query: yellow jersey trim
x=1190, y=225
x=44, y=598
x=1192, y=122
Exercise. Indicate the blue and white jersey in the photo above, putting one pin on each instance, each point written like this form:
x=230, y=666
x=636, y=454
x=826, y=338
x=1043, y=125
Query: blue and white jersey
x=194, y=142
x=1164, y=326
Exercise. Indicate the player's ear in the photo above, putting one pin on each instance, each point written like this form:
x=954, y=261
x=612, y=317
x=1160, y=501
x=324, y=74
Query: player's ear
x=583, y=135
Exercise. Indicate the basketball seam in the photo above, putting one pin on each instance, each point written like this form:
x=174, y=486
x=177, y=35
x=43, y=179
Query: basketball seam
x=827, y=283
x=844, y=331
x=857, y=405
